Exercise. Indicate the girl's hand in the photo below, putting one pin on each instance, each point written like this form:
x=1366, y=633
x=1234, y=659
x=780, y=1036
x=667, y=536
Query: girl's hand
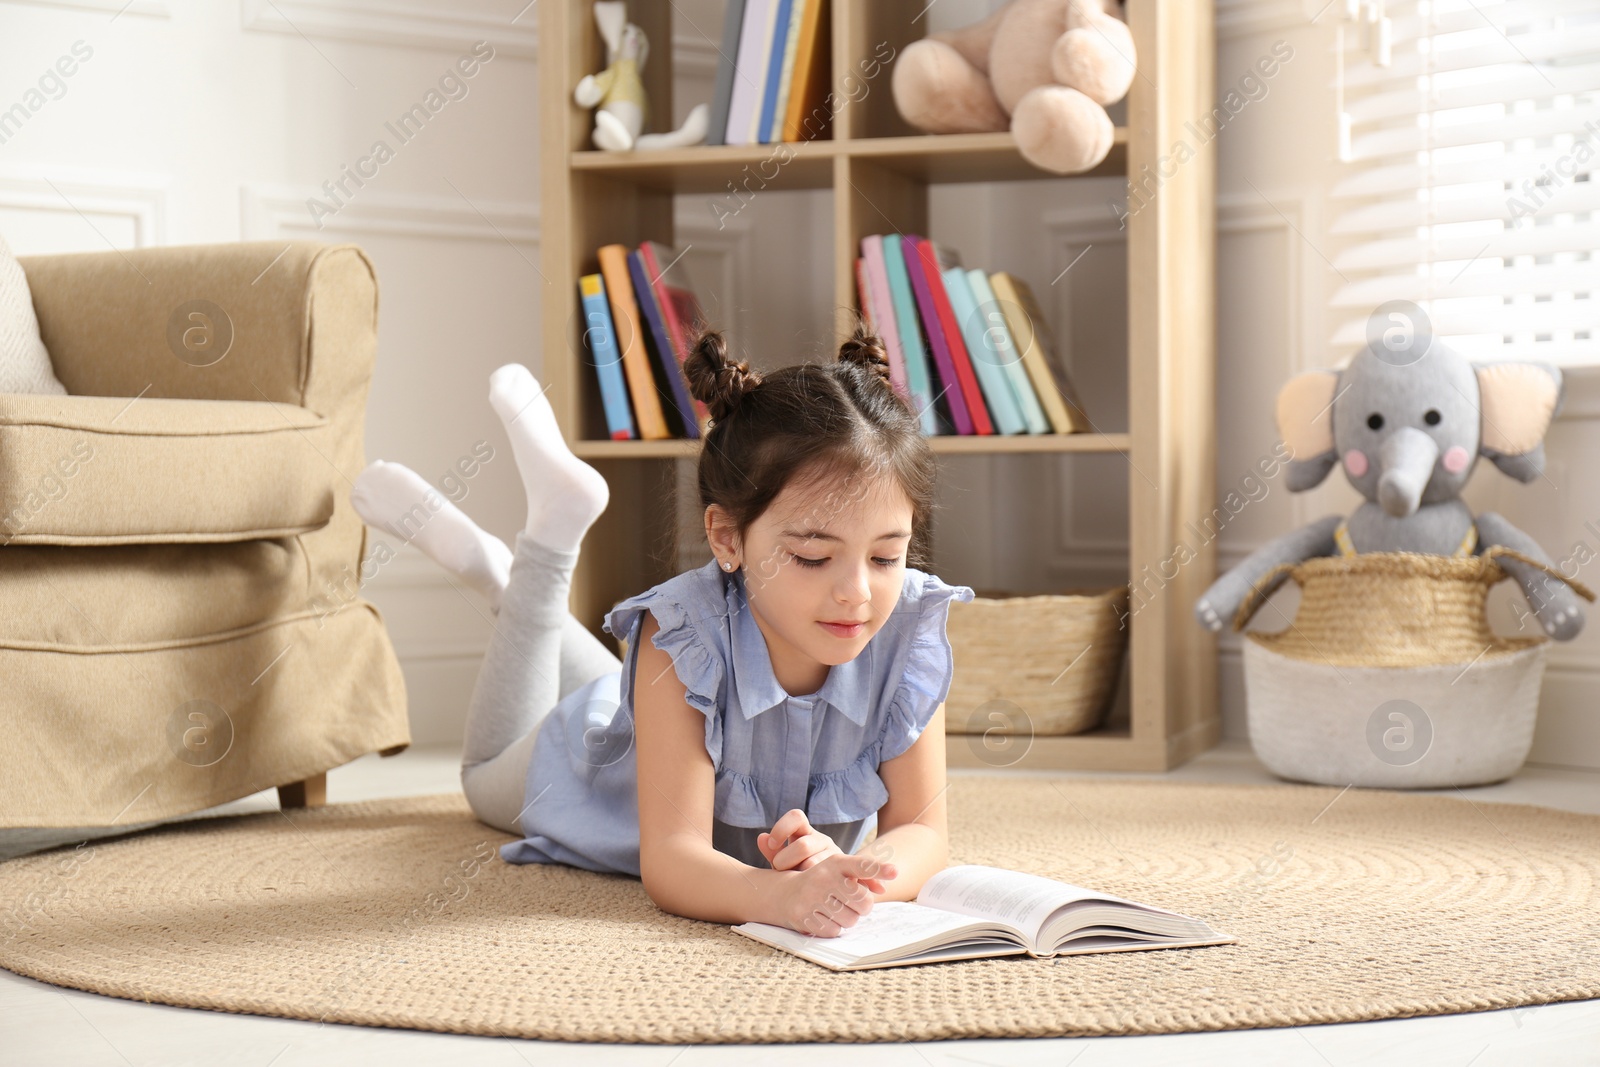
x=794, y=844
x=832, y=895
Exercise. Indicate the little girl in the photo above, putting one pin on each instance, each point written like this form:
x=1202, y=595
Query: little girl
x=774, y=706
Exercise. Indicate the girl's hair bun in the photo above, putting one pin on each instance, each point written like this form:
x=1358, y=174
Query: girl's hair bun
x=865, y=350
x=715, y=380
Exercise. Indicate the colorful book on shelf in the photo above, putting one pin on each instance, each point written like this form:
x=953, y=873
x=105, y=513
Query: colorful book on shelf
x=861, y=296
x=955, y=366
x=773, y=73
x=1031, y=333
x=749, y=70
x=687, y=308
x=664, y=363
x=991, y=376
x=873, y=292
x=601, y=340
x=806, y=117
x=722, y=95
x=938, y=258
x=773, y=128
x=873, y=320
x=864, y=303
x=999, y=346
x=918, y=374
x=947, y=390
x=630, y=338
x=672, y=299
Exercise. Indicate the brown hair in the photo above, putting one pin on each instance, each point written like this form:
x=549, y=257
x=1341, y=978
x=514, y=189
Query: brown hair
x=813, y=421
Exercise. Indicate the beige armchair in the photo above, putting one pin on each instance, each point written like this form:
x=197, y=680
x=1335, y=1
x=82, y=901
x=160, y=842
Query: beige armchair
x=180, y=616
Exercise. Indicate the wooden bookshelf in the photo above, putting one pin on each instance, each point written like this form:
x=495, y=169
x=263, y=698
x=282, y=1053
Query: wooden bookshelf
x=879, y=170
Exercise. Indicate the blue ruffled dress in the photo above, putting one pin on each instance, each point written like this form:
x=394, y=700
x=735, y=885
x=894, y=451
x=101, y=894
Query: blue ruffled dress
x=771, y=751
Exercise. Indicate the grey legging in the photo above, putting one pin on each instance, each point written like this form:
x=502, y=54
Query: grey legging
x=538, y=654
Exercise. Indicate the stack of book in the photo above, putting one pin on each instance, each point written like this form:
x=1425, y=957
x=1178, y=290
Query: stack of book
x=774, y=73
x=971, y=351
x=637, y=329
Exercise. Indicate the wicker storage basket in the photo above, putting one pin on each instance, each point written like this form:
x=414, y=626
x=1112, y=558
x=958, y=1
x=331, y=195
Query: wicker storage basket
x=1390, y=676
x=1035, y=665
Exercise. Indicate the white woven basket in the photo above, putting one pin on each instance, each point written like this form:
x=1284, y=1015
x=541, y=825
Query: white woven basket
x=1393, y=727
x=1390, y=675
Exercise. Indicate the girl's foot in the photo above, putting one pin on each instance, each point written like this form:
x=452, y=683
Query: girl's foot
x=397, y=500
x=565, y=494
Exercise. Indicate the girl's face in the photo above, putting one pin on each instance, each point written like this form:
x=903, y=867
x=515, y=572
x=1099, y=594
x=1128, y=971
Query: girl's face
x=823, y=568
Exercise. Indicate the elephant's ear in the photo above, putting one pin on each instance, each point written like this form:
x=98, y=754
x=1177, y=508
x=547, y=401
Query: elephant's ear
x=1518, y=401
x=1305, y=422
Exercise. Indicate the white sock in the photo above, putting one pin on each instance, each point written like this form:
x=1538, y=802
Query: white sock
x=399, y=501
x=565, y=494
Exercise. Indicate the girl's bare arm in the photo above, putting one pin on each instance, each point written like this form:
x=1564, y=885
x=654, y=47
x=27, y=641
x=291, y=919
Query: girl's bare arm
x=912, y=830
x=681, y=870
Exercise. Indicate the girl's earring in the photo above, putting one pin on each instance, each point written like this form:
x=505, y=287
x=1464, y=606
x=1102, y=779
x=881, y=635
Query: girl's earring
x=727, y=564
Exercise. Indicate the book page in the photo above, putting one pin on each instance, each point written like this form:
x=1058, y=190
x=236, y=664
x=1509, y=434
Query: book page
x=891, y=926
x=1022, y=900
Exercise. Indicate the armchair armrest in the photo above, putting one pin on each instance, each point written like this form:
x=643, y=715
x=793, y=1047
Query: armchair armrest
x=212, y=322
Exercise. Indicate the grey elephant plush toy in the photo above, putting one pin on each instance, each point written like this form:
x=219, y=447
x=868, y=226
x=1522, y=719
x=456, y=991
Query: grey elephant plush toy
x=1408, y=434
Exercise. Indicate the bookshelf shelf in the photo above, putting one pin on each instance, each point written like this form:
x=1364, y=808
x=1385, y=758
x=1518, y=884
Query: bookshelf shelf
x=1043, y=442
x=1106, y=749
x=969, y=157
x=966, y=157
x=878, y=170
x=709, y=168
x=988, y=444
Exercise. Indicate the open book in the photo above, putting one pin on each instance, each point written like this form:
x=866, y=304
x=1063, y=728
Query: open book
x=970, y=911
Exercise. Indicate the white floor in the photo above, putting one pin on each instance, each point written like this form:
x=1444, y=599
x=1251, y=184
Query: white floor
x=41, y=1024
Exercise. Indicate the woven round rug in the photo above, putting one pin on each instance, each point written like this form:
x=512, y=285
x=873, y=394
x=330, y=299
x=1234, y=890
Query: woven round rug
x=1348, y=905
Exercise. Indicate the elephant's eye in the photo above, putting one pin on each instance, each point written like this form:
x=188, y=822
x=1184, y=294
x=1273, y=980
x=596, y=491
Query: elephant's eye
x=1375, y=421
x=1432, y=417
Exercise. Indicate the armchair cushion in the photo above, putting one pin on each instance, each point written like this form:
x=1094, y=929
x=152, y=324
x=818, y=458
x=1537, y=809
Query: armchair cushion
x=98, y=470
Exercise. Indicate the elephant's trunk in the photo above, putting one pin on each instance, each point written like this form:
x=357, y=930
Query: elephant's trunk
x=1406, y=458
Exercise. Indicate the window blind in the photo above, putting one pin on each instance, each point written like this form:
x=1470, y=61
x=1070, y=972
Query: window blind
x=1469, y=180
